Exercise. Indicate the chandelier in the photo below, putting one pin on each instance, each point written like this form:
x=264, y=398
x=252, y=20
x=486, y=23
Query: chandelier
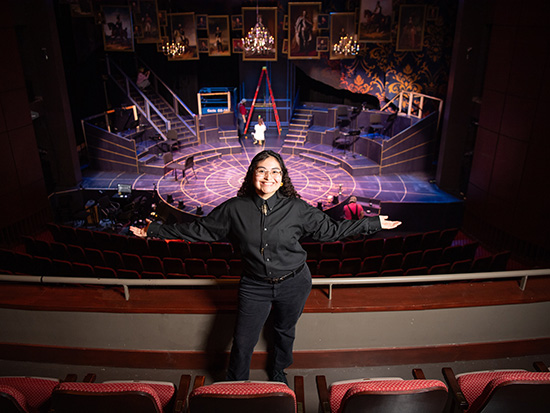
x=173, y=49
x=346, y=46
x=258, y=40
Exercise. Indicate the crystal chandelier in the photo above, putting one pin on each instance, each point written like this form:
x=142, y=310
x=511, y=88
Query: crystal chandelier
x=258, y=40
x=173, y=49
x=346, y=46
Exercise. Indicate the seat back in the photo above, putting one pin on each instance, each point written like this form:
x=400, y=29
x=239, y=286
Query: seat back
x=105, y=398
x=388, y=396
x=249, y=396
x=506, y=391
x=167, y=157
x=21, y=394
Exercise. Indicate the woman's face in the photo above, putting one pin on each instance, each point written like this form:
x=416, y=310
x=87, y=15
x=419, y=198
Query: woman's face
x=267, y=177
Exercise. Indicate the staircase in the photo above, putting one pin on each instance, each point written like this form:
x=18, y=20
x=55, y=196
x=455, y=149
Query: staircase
x=297, y=129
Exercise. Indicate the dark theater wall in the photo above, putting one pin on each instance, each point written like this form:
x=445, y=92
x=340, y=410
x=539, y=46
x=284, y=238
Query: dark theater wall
x=508, y=199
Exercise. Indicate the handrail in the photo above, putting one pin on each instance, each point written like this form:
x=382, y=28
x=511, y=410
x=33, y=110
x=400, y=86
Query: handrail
x=148, y=104
x=317, y=282
x=175, y=98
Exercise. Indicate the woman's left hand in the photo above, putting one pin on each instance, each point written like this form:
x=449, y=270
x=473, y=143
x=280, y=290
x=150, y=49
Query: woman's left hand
x=387, y=224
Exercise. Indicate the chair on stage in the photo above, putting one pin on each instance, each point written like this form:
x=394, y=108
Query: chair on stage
x=385, y=395
x=172, y=139
x=247, y=396
x=376, y=125
x=502, y=391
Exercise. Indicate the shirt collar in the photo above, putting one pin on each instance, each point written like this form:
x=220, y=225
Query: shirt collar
x=271, y=201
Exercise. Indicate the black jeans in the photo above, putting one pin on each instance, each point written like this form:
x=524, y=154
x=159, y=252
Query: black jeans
x=256, y=299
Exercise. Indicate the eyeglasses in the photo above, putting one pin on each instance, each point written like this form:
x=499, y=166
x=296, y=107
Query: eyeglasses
x=275, y=173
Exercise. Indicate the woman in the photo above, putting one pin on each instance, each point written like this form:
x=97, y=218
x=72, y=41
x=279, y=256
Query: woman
x=259, y=132
x=267, y=219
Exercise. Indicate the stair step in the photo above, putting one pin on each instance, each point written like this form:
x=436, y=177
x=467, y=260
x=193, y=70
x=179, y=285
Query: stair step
x=150, y=157
x=321, y=159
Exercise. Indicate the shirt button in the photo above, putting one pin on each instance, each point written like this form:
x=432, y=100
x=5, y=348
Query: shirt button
x=267, y=259
x=265, y=229
x=266, y=244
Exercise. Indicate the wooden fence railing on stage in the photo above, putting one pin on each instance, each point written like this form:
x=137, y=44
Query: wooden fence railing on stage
x=523, y=275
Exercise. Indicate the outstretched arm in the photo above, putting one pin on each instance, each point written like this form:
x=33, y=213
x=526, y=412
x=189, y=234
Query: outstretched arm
x=387, y=224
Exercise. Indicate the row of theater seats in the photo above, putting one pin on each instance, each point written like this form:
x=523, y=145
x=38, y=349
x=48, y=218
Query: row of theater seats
x=502, y=391
x=316, y=250
x=94, y=263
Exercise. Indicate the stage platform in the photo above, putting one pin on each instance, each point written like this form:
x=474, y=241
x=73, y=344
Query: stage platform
x=217, y=179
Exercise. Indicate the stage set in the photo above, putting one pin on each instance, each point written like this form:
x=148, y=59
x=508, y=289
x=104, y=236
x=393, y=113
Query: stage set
x=327, y=163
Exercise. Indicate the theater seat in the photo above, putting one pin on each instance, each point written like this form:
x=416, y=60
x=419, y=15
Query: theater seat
x=247, y=396
x=25, y=394
x=120, y=396
x=384, y=395
x=502, y=391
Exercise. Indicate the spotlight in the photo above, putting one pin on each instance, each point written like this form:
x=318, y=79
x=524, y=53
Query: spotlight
x=169, y=198
x=181, y=205
x=320, y=206
x=199, y=210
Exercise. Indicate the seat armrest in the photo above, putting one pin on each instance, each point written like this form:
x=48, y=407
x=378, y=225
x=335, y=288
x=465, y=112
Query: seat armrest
x=180, y=404
x=540, y=366
x=89, y=378
x=418, y=374
x=71, y=377
x=300, y=394
x=454, y=389
x=322, y=392
x=199, y=381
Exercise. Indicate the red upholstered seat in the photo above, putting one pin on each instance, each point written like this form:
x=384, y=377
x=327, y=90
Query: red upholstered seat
x=12, y=399
x=29, y=392
x=257, y=396
x=165, y=390
x=480, y=387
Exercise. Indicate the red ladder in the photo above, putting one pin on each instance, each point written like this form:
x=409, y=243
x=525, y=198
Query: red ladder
x=264, y=69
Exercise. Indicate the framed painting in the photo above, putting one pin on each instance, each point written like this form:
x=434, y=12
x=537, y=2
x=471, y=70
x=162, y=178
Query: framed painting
x=203, y=45
x=162, y=42
x=82, y=8
x=303, y=30
x=201, y=21
x=237, y=22
x=182, y=30
x=219, y=39
x=285, y=22
x=323, y=22
x=341, y=24
x=146, y=18
x=285, y=46
x=266, y=17
x=118, y=34
x=410, y=34
x=238, y=45
x=163, y=18
x=322, y=44
x=375, y=21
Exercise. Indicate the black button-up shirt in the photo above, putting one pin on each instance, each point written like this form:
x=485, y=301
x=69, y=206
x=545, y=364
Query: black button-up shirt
x=268, y=236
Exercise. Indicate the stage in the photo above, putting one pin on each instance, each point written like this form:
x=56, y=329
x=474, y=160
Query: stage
x=412, y=196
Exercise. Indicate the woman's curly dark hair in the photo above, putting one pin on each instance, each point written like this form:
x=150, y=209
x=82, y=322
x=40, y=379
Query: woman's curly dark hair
x=247, y=188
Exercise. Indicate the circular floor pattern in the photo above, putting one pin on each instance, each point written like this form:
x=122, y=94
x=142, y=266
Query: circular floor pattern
x=220, y=179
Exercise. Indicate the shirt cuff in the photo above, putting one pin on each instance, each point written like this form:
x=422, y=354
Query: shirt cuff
x=153, y=229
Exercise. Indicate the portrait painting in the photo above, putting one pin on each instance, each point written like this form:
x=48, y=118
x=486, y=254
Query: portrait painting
x=118, y=33
x=410, y=34
x=146, y=20
x=323, y=22
x=82, y=8
x=303, y=30
x=262, y=17
x=322, y=44
x=375, y=17
x=285, y=46
x=163, y=18
x=237, y=22
x=201, y=21
x=203, y=45
x=182, y=31
x=219, y=38
x=341, y=24
x=238, y=45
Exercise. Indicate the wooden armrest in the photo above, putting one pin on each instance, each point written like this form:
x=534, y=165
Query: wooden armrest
x=540, y=366
x=454, y=388
x=322, y=392
x=89, y=378
x=418, y=374
x=300, y=394
x=71, y=377
x=199, y=381
x=181, y=395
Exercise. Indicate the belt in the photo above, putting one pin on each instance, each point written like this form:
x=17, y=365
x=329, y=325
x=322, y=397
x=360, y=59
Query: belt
x=281, y=278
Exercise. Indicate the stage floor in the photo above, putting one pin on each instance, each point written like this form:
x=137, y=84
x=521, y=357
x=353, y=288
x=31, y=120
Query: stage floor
x=218, y=180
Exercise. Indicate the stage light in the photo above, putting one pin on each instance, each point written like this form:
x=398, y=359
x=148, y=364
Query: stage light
x=181, y=205
x=199, y=210
x=170, y=198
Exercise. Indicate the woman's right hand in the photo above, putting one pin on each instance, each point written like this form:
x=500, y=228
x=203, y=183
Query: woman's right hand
x=139, y=232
